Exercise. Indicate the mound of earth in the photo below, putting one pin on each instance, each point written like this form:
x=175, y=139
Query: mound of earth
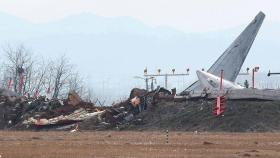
x=239, y=116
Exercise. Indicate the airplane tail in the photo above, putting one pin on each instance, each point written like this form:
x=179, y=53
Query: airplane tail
x=234, y=56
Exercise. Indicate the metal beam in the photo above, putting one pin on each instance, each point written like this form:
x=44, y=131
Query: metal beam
x=166, y=76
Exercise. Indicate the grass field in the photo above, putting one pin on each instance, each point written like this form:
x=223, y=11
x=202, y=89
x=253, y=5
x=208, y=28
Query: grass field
x=137, y=144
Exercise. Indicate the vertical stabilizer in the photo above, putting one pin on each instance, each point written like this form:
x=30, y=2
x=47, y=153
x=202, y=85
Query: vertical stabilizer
x=234, y=56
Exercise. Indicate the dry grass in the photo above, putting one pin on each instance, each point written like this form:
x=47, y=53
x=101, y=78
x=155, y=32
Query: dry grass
x=137, y=144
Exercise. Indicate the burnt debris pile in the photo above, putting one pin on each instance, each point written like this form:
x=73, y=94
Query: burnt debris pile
x=156, y=110
x=21, y=113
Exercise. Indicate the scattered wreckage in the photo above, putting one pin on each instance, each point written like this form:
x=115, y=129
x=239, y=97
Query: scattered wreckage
x=20, y=113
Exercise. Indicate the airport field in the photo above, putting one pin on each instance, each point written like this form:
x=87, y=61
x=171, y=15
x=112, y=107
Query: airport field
x=137, y=144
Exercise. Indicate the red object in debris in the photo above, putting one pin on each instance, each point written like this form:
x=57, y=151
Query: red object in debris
x=10, y=83
x=219, y=105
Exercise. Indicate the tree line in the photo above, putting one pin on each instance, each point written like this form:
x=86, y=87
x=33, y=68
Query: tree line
x=31, y=76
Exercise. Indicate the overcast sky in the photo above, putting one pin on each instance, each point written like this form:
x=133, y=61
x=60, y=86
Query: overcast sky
x=184, y=15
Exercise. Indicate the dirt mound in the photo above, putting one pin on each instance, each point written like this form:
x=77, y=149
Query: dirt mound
x=141, y=111
x=240, y=116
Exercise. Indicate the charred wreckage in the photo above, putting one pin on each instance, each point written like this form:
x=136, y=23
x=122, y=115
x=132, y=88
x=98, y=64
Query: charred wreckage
x=21, y=113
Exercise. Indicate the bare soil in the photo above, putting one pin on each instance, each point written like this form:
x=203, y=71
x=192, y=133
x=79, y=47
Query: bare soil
x=129, y=144
x=239, y=116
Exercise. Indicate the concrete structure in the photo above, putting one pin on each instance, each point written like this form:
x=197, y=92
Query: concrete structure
x=251, y=94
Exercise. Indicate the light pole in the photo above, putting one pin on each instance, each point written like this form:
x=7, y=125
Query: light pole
x=245, y=73
x=147, y=81
x=272, y=73
x=166, y=75
x=152, y=83
x=254, y=70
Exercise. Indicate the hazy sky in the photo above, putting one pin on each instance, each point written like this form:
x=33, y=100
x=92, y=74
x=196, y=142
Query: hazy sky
x=185, y=15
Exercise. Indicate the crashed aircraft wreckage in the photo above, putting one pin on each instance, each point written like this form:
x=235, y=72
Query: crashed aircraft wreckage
x=77, y=116
x=26, y=113
x=41, y=113
x=234, y=56
x=230, y=62
x=211, y=82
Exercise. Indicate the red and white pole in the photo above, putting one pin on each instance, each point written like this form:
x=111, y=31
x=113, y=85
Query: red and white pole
x=219, y=111
x=219, y=104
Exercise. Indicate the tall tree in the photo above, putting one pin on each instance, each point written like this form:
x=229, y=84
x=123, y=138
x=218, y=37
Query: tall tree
x=17, y=65
x=62, y=71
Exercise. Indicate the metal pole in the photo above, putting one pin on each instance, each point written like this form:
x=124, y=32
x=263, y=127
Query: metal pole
x=221, y=81
x=167, y=139
x=273, y=73
x=165, y=76
x=165, y=81
x=147, y=84
x=253, y=77
x=152, y=84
